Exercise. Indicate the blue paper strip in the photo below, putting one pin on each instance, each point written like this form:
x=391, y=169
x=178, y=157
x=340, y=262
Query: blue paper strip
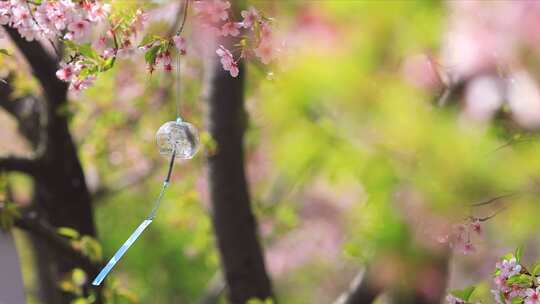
x=118, y=255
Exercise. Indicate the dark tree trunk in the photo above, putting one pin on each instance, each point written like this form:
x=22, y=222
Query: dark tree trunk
x=362, y=290
x=234, y=223
x=61, y=197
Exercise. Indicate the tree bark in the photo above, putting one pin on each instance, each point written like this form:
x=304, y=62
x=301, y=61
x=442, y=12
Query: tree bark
x=61, y=196
x=361, y=290
x=233, y=220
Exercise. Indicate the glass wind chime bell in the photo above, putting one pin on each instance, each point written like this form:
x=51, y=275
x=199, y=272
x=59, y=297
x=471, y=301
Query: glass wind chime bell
x=176, y=139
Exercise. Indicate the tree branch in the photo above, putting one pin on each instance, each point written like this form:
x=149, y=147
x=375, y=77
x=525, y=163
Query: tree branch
x=19, y=164
x=44, y=67
x=30, y=222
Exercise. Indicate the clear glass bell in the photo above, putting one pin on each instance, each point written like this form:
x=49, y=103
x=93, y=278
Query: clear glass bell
x=180, y=136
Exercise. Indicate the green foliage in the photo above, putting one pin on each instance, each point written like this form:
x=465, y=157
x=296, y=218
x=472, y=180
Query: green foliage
x=88, y=245
x=519, y=253
x=77, y=280
x=8, y=214
x=8, y=210
x=463, y=294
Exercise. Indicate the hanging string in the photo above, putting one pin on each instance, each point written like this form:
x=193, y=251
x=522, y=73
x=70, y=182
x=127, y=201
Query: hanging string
x=178, y=88
x=148, y=220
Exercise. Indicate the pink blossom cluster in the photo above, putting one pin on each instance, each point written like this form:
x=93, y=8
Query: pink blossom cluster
x=461, y=235
x=81, y=71
x=72, y=73
x=51, y=19
x=73, y=21
x=513, y=283
x=215, y=17
x=160, y=51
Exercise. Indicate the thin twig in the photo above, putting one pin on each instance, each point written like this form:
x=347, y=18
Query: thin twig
x=182, y=12
x=491, y=200
x=483, y=219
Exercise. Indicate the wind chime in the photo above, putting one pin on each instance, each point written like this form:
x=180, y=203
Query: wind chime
x=176, y=139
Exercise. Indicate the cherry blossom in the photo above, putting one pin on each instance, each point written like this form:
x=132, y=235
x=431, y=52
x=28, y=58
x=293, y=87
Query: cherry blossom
x=213, y=10
x=227, y=61
x=81, y=84
x=475, y=226
x=468, y=248
x=265, y=51
x=454, y=300
x=533, y=296
x=139, y=20
x=78, y=30
x=74, y=21
x=65, y=72
x=509, y=267
x=251, y=17
x=231, y=28
x=99, y=11
x=180, y=44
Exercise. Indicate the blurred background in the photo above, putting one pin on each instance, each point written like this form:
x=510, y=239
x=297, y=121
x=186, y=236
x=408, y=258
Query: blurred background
x=383, y=133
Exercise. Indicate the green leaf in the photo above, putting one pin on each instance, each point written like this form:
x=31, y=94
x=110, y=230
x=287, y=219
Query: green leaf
x=536, y=269
x=519, y=253
x=87, y=51
x=463, y=294
x=150, y=56
x=517, y=300
x=149, y=38
x=507, y=256
x=80, y=301
x=78, y=276
x=520, y=279
x=107, y=65
x=68, y=232
x=91, y=248
x=5, y=52
x=8, y=213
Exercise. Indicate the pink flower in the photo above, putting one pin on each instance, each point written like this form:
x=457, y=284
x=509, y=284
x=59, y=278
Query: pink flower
x=108, y=53
x=99, y=11
x=180, y=44
x=139, y=20
x=517, y=291
x=533, y=296
x=21, y=17
x=475, y=226
x=266, y=31
x=212, y=10
x=500, y=283
x=81, y=84
x=227, y=61
x=265, y=51
x=167, y=61
x=468, y=248
x=509, y=267
x=454, y=300
x=100, y=43
x=251, y=16
x=231, y=28
x=78, y=29
x=65, y=73
x=500, y=298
